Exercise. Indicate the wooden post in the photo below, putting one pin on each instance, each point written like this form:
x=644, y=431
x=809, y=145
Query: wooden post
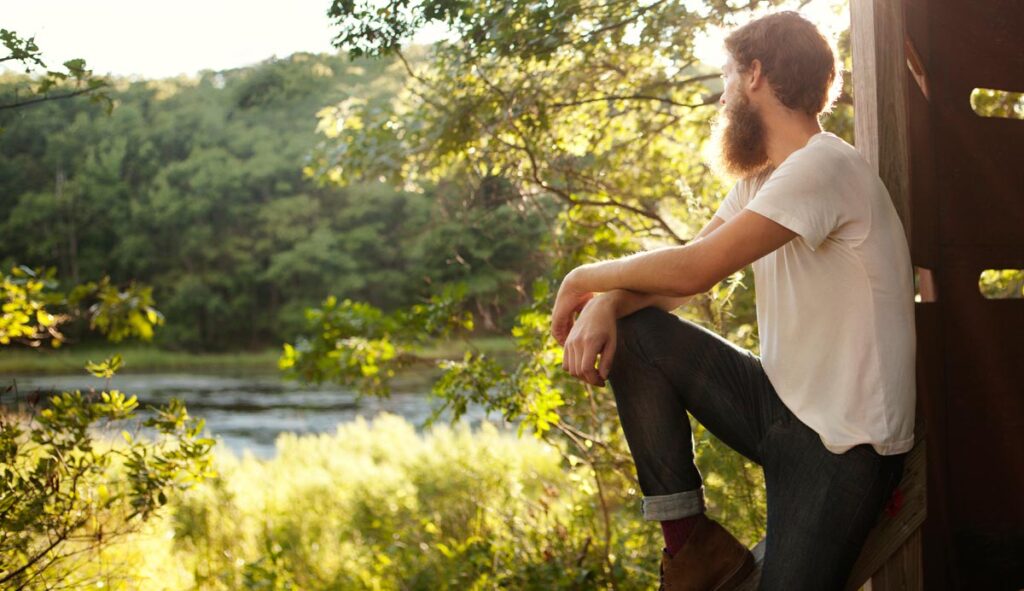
x=880, y=95
x=880, y=128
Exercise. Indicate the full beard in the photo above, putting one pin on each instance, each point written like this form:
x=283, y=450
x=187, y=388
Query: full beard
x=739, y=134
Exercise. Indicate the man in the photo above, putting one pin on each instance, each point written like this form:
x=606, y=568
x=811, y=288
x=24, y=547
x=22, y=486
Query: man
x=828, y=411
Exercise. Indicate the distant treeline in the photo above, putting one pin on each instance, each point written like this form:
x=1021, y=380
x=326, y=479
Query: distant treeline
x=196, y=186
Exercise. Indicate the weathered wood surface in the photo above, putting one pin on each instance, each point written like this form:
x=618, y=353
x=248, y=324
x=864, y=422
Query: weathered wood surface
x=891, y=558
x=893, y=537
x=880, y=95
x=903, y=571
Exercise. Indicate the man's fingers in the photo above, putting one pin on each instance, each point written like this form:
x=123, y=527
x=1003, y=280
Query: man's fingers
x=607, y=355
x=563, y=315
x=561, y=330
x=558, y=328
x=588, y=360
x=571, y=358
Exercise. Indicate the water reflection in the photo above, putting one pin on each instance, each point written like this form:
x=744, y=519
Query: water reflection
x=246, y=412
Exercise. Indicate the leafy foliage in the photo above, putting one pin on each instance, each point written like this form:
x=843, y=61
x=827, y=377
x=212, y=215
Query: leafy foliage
x=76, y=80
x=64, y=489
x=33, y=310
x=63, y=492
x=1002, y=283
x=552, y=98
x=997, y=103
x=355, y=343
x=24, y=315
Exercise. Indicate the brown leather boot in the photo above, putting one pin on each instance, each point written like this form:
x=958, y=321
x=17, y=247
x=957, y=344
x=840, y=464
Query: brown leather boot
x=710, y=560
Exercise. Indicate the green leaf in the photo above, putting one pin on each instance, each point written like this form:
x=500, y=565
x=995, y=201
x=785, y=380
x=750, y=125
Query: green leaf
x=107, y=368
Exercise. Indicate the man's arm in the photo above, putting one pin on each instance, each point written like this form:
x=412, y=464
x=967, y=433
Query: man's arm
x=626, y=301
x=675, y=272
x=681, y=270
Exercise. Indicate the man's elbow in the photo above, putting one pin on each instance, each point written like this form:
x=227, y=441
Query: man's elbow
x=702, y=268
x=691, y=284
x=696, y=273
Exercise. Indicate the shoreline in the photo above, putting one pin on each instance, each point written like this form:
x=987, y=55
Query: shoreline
x=71, y=359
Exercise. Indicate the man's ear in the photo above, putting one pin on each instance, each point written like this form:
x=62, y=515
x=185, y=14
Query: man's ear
x=755, y=77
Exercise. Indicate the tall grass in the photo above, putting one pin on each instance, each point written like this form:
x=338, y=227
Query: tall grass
x=377, y=506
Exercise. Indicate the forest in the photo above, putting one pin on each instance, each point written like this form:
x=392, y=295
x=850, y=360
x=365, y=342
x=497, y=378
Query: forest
x=203, y=180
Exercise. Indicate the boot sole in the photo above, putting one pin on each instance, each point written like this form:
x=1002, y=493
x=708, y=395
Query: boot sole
x=739, y=576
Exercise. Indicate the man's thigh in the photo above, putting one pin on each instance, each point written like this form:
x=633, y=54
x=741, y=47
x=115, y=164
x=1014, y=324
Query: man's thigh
x=821, y=507
x=722, y=385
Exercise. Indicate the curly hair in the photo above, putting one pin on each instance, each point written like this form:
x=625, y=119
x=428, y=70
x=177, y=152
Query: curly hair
x=795, y=57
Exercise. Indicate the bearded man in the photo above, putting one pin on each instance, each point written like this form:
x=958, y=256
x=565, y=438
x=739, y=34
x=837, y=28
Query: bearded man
x=828, y=410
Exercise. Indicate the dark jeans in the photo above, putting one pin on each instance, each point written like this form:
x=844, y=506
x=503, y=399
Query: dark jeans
x=821, y=505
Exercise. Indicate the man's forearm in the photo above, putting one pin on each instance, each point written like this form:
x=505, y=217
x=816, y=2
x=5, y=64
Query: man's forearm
x=625, y=301
x=673, y=271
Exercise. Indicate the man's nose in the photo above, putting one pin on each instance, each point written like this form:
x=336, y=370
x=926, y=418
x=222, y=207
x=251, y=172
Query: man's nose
x=721, y=99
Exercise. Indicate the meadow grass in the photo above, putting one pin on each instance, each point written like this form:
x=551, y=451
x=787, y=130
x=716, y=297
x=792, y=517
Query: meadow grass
x=137, y=358
x=149, y=358
x=378, y=506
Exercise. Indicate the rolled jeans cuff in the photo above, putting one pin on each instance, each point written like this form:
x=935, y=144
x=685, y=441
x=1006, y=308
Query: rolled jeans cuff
x=674, y=506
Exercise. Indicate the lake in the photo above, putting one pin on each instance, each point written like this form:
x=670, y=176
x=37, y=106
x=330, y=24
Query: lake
x=247, y=411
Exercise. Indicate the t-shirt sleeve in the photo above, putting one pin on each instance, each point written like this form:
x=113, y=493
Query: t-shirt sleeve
x=796, y=197
x=732, y=204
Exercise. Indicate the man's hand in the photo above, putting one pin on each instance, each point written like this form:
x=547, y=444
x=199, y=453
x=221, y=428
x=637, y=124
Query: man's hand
x=593, y=334
x=568, y=302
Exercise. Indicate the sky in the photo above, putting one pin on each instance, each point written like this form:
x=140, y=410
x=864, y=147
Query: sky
x=164, y=39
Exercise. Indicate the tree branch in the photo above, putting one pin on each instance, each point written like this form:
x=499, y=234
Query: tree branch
x=50, y=98
x=633, y=97
x=18, y=571
x=535, y=169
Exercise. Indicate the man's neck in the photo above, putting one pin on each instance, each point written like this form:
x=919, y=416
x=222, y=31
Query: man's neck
x=787, y=133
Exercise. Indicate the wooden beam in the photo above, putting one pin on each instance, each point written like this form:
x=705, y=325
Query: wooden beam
x=880, y=87
x=903, y=571
x=880, y=95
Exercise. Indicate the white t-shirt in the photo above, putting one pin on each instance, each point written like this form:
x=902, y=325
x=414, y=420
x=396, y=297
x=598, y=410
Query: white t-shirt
x=835, y=305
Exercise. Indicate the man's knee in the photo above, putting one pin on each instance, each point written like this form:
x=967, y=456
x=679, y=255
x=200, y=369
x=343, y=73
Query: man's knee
x=656, y=333
x=642, y=324
x=639, y=333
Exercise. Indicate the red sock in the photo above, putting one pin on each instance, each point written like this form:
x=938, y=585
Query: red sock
x=677, y=531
